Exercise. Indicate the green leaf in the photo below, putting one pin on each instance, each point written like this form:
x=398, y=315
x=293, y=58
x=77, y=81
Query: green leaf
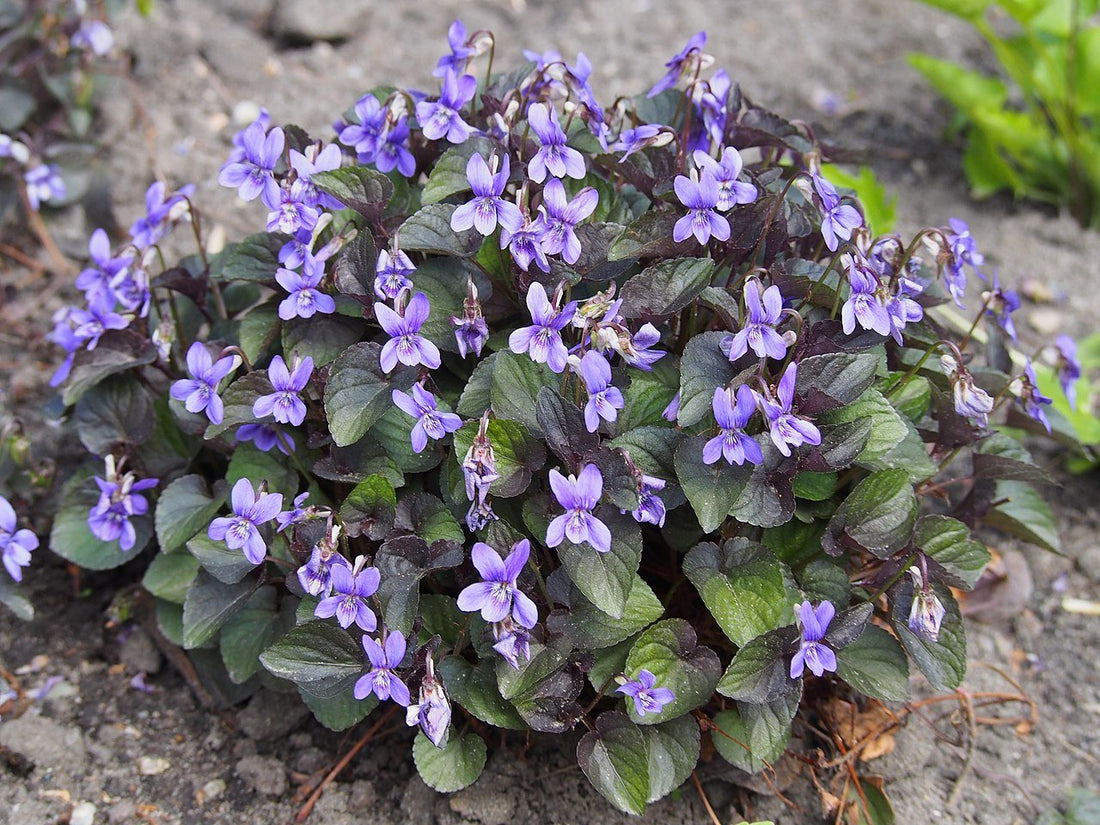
x=256, y=258
x=947, y=541
x=361, y=188
x=673, y=754
x=259, y=330
x=650, y=235
x=320, y=657
x=815, y=486
x=114, y=413
x=428, y=517
x=590, y=628
x=712, y=489
x=429, y=231
x=244, y=637
x=169, y=575
x=15, y=600
x=741, y=584
x=666, y=287
x=943, y=662
x=448, y=176
x=653, y=451
x=369, y=508
x=184, y=508
x=869, y=803
x=670, y=652
x=878, y=515
x=647, y=396
x=322, y=337
x=753, y=736
x=966, y=9
x=444, y=282
x=476, y=395
x=875, y=665
x=702, y=368
x=828, y=381
x=118, y=350
x=760, y=671
x=252, y=463
x=452, y=767
x=516, y=381
x=225, y=565
x=238, y=399
x=606, y=579
x=209, y=605
x=475, y=689
x=879, y=207
x=170, y=621
x=615, y=759
x=338, y=712
x=544, y=661
x=1025, y=514
x=966, y=90
x=70, y=537
x=17, y=104
x=824, y=580
x=888, y=428
x=517, y=454
x=357, y=393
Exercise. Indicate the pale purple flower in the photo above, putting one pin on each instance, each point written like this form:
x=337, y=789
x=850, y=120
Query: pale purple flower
x=592, y=113
x=542, y=340
x=305, y=298
x=498, y=594
x=433, y=710
x=250, y=510
x=393, y=151
x=15, y=545
x=927, y=611
x=902, y=308
x=89, y=325
x=763, y=308
x=96, y=280
x=348, y=598
x=578, y=495
x=294, y=252
x=292, y=212
x=44, y=183
x=391, y=274
x=95, y=36
x=971, y=401
x=553, y=156
x=461, y=52
x=265, y=436
x=650, y=509
x=441, y=118
x=471, y=331
x=315, y=575
x=732, y=442
x=647, y=698
x=525, y=244
x=199, y=393
x=863, y=305
x=731, y=191
x=700, y=196
x=713, y=104
x=562, y=216
x=787, y=429
x=1030, y=398
x=406, y=344
x=285, y=405
x=680, y=64
x=672, y=411
x=384, y=659
x=812, y=652
x=638, y=138
x=512, y=642
x=838, y=219
x=488, y=208
x=1069, y=367
x=161, y=209
x=962, y=252
x=254, y=174
x=604, y=400
x=365, y=137
x=119, y=501
x=1001, y=303
x=309, y=164
x=430, y=422
x=296, y=514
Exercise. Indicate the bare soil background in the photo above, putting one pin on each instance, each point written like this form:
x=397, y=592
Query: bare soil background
x=95, y=750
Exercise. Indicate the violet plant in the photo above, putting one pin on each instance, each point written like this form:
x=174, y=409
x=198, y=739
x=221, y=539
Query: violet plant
x=712, y=448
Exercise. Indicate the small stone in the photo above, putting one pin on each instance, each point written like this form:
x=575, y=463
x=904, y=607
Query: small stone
x=139, y=654
x=363, y=795
x=44, y=743
x=1046, y=321
x=318, y=20
x=244, y=113
x=264, y=774
x=83, y=814
x=1089, y=562
x=309, y=760
x=271, y=715
x=210, y=791
x=152, y=765
x=486, y=805
x=122, y=812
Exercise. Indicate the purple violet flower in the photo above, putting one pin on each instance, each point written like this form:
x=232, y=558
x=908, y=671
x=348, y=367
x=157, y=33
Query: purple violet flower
x=1001, y=303
x=348, y=598
x=315, y=576
x=109, y=519
x=604, y=400
x=433, y=710
x=365, y=137
x=384, y=659
x=542, y=340
x=265, y=436
x=96, y=280
x=700, y=196
x=512, y=642
x=393, y=151
x=305, y=298
x=638, y=138
x=292, y=212
x=713, y=103
x=43, y=183
x=254, y=174
x=651, y=509
x=902, y=308
x=488, y=207
x=672, y=411
x=863, y=305
x=499, y=594
x=578, y=495
x=161, y=209
x=962, y=251
x=199, y=393
x=471, y=331
x=294, y=252
x=1069, y=367
x=838, y=219
x=787, y=429
x=812, y=652
x=441, y=118
x=15, y=545
x=562, y=216
x=250, y=510
x=95, y=36
x=732, y=442
x=430, y=422
x=406, y=344
x=1029, y=397
x=285, y=405
x=479, y=471
x=647, y=698
x=764, y=309
x=731, y=191
x=553, y=156
x=309, y=164
x=971, y=401
x=525, y=244
x=461, y=52
x=680, y=64
x=391, y=274
x=296, y=514
x=927, y=611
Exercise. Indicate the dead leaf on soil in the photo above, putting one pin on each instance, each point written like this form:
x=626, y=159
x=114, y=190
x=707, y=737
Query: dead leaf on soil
x=854, y=724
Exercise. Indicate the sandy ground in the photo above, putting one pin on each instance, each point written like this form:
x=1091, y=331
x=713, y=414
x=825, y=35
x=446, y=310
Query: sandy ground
x=97, y=751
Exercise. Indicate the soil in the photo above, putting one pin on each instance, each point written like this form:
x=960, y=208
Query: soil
x=96, y=750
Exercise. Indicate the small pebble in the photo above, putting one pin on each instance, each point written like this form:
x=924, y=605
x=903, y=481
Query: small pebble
x=83, y=814
x=153, y=765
